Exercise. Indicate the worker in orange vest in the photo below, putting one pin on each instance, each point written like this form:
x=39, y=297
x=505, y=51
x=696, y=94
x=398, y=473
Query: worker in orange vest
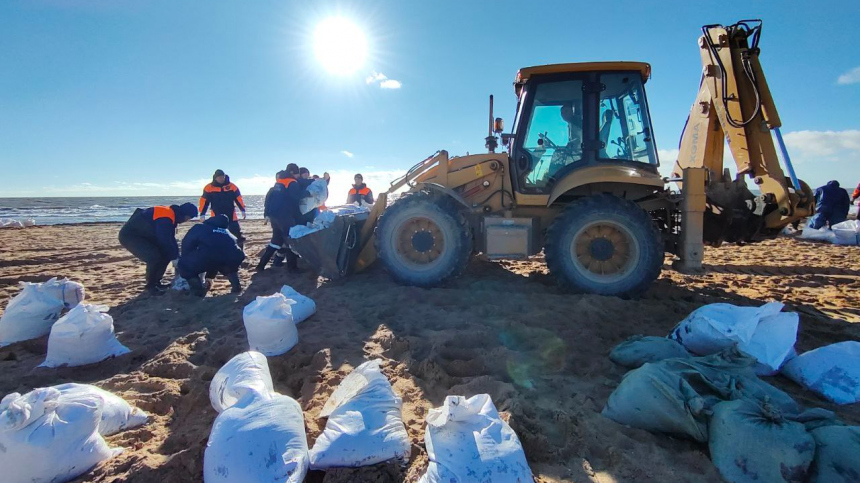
x=359, y=193
x=223, y=197
x=281, y=209
x=150, y=235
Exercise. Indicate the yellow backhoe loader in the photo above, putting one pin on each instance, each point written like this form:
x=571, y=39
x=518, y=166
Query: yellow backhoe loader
x=578, y=179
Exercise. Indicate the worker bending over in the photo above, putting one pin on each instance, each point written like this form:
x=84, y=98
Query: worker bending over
x=831, y=205
x=150, y=235
x=210, y=248
x=282, y=211
x=359, y=193
x=224, y=197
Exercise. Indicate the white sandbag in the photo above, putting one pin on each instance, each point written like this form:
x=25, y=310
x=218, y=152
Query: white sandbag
x=715, y=327
x=832, y=371
x=116, y=414
x=242, y=377
x=9, y=223
x=29, y=315
x=846, y=233
x=66, y=291
x=821, y=234
x=364, y=424
x=83, y=336
x=772, y=342
x=264, y=441
x=28, y=222
x=467, y=441
x=48, y=440
x=301, y=307
x=318, y=193
x=270, y=326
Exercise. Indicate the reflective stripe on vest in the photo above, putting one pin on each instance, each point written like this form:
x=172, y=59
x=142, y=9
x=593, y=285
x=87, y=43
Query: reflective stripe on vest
x=159, y=212
x=286, y=182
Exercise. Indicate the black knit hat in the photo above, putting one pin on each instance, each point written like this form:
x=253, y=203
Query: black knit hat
x=188, y=210
x=218, y=172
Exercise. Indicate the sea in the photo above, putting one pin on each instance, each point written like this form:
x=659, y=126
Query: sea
x=58, y=211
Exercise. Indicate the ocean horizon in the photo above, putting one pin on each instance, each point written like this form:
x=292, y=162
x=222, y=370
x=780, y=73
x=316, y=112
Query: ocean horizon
x=98, y=209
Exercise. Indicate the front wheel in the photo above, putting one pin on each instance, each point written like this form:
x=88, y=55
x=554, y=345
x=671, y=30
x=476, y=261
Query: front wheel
x=605, y=245
x=422, y=240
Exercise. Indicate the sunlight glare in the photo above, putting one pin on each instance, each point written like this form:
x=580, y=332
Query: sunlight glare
x=340, y=45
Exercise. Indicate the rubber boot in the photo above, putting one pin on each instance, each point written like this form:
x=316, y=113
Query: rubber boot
x=153, y=280
x=279, y=261
x=235, y=284
x=264, y=260
x=293, y=263
x=196, y=287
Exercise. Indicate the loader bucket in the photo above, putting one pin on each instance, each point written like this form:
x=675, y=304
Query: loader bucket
x=331, y=251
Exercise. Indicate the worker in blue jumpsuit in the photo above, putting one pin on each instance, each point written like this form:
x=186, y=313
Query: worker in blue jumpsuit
x=282, y=211
x=831, y=205
x=211, y=248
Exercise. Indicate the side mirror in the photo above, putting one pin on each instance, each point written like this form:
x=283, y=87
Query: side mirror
x=499, y=125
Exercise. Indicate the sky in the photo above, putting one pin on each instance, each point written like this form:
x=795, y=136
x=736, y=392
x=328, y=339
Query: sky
x=141, y=98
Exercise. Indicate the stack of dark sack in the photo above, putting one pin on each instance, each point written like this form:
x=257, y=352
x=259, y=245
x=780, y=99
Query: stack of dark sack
x=754, y=431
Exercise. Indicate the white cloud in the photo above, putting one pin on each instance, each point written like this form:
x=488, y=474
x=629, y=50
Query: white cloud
x=390, y=84
x=375, y=77
x=383, y=80
x=347, y=154
x=850, y=77
x=814, y=145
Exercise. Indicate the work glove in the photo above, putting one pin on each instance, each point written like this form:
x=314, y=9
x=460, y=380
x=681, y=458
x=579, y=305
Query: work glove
x=244, y=215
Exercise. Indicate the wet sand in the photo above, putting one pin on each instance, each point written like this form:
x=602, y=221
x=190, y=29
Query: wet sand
x=504, y=328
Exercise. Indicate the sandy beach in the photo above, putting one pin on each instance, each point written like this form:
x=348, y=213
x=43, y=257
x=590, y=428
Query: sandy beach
x=504, y=328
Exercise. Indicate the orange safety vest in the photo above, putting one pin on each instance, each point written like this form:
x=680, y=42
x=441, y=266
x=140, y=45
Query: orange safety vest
x=286, y=182
x=209, y=188
x=363, y=191
x=159, y=212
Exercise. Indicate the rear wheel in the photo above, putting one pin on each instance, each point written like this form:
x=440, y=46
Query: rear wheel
x=605, y=245
x=422, y=240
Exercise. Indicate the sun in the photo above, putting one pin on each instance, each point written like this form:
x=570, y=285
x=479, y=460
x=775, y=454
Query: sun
x=340, y=45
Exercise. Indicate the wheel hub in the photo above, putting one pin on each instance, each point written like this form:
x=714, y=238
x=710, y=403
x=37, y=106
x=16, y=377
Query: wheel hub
x=421, y=240
x=604, y=249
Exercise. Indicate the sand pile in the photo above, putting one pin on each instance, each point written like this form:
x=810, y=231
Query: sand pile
x=502, y=329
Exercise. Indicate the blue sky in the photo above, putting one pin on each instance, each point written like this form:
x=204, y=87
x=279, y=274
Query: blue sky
x=122, y=97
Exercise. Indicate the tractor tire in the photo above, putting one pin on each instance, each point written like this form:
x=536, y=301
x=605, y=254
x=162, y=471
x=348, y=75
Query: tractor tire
x=604, y=245
x=422, y=240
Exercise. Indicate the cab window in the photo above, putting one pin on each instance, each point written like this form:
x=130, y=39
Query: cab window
x=624, y=127
x=554, y=136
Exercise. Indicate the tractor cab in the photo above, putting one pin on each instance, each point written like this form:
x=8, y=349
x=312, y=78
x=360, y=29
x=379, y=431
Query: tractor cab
x=572, y=116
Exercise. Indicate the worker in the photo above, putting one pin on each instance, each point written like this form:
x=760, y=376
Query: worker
x=224, y=197
x=359, y=193
x=856, y=194
x=304, y=173
x=210, y=248
x=281, y=209
x=831, y=205
x=150, y=235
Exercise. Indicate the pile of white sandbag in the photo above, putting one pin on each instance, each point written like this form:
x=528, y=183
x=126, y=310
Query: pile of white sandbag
x=765, y=333
x=12, y=223
x=467, y=440
x=364, y=424
x=259, y=435
x=831, y=371
x=31, y=313
x=845, y=233
x=55, y=434
x=325, y=218
x=83, y=336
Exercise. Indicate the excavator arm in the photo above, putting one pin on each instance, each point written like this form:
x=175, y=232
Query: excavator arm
x=734, y=106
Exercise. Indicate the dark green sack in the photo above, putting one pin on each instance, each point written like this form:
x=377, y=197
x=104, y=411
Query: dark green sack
x=837, y=455
x=752, y=442
x=638, y=350
x=675, y=396
x=331, y=251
